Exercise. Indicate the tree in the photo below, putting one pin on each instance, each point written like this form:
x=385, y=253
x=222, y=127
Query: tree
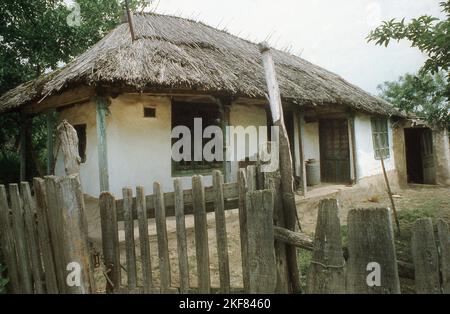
x=35, y=37
x=422, y=94
x=430, y=34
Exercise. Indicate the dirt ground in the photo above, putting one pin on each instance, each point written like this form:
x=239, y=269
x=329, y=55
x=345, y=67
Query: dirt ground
x=412, y=203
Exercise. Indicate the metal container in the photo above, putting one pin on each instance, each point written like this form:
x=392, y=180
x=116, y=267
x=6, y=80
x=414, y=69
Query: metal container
x=312, y=172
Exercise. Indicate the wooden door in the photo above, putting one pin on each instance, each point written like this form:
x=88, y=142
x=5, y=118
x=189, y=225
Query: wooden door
x=426, y=151
x=334, y=150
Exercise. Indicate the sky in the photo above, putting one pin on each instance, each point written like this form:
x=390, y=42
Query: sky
x=329, y=33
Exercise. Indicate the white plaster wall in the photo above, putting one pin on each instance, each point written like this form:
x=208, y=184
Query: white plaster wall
x=139, y=149
x=83, y=114
x=244, y=115
x=311, y=142
x=366, y=164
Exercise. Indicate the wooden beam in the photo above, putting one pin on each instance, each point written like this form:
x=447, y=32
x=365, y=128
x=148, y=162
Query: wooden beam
x=72, y=96
x=24, y=124
x=50, y=130
x=224, y=108
x=102, y=109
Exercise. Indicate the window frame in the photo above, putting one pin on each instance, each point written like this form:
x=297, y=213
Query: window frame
x=380, y=129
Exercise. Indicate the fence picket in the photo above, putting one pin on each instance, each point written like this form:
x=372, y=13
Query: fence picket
x=221, y=233
x=326, y=272
x=261, y=250
x=242, y=183
x=29, y=209
x=143, y=239
x=371, y=240
x=8, y=245
x=425, y=257
x=110, y=241
x=161, y=230
x=129, y=238
x=51, y=283
x=444, y=244
x=201, y=235
x=21, y=245
x=181, y=236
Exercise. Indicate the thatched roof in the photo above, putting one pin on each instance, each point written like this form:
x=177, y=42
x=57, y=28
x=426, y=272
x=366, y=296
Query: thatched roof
x=176, y=53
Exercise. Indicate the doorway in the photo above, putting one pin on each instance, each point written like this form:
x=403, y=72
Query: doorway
x=334, y=150
x=419, y=150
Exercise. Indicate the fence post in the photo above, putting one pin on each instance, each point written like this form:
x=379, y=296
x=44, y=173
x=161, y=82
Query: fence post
x=77, y=260
x=261, y=251
x=326, y=272
x=181, y=236
x=110, y=241
x=444, y=245
x=242, y=186
x=8, y=247
x=143, y=239
x=425, y=257
x=129, y=238
x=372, y=265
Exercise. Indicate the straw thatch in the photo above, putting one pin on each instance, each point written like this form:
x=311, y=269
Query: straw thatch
x=172, y=52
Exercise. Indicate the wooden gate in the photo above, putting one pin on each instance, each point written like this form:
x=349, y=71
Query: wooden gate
x=256, y=238
x=334, y=150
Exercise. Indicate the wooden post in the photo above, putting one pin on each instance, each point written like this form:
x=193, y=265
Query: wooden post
x=110, y=241
x=261, y=251
x=23, y=149
x=352, y=146
x=69, y=146
x=326, y=272
x=129, y=238
x=50, y=148
x=144, y=241
x=301, y=123
x=425, y=257
x=371, y=252
x=74, y=236
x=102, y=109
x=242, y=186
x=286, y=169
x=444, y=246
x=224, y=108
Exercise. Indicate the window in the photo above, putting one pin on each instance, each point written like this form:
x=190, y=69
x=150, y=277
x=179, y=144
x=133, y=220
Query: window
x=149, y=112
x=183, y=114
x=380, y=137
x=81, y=133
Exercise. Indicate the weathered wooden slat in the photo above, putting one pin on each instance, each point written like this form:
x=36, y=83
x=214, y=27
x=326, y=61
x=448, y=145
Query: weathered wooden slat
x=230, y=193
x=201, y=235
x=272, y=182
x=144, y=240
x=326, y=272
x=444, y=245
x=20, y=238
x=101, y=111
x=261, y=250
x=7, y=240
x=77, y=258
x=242, y=182
x=129, y=238
x=51, y=283
x=221, y=233
x=110, y=241
x=29, y=209
x=371, y=240
x=181, y=236
x=251, y=178
x=425, y=257
x=54, y=219
x=163, y=246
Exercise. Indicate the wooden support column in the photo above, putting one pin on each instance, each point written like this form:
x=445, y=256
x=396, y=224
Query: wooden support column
x=24, y=124
x=224, y=107
x=102, y=109
x=50, y=149
x=301, y=129
x=351, y=146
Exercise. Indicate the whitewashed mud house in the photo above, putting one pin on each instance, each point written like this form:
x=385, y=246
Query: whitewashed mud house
x=124, y=96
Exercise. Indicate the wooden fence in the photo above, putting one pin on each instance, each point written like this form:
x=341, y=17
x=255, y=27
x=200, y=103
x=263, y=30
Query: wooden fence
x=256, y=239
x=41, y=238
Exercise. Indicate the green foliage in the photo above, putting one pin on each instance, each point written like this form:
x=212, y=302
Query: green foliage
x=430, y=34
x=422, y=94
x=35, y=38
